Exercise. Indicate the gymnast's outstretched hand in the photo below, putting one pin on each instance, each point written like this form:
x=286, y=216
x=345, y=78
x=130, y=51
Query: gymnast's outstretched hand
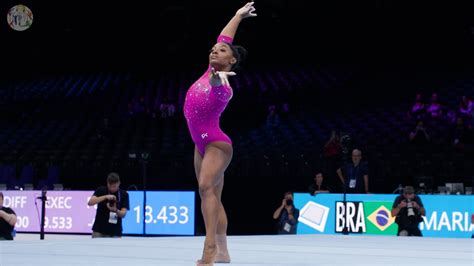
x=247, y=11
x=219, y=78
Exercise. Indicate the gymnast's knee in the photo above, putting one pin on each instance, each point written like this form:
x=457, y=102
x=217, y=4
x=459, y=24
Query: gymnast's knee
x=206, y=187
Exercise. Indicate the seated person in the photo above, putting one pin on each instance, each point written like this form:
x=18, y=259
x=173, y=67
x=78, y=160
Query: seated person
x=418, y=109
x=466, y=107
x=434, y=109
x=318, y=186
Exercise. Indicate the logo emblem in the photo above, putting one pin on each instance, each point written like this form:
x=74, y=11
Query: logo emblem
x=20, y=18
x=314, y=215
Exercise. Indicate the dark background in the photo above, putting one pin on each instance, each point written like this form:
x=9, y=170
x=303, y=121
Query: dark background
x=177, y=34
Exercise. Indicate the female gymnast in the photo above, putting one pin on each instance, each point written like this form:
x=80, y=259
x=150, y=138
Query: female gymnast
x=205, y=100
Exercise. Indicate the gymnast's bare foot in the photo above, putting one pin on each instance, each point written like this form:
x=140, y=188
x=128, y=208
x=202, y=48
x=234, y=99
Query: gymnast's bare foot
x=222, y=252
x=222, y=258
x=208, y=256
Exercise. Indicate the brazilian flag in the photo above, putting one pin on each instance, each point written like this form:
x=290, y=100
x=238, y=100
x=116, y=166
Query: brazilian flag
x=378, y=219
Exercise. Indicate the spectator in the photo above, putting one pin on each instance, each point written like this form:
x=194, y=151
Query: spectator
x=143, y=105
x=287, y=215
x=333, y=148
x=273, y=119
x=466, y=107
x=434, y=109
x=408, y=210
x=419, y=136
x=164, y=109
x=418, y=109
x=171, y=109
x=167, y=108
x=138, y=106
x=318, y=186
x=7, y=221
x=461, y=134
x=156, y=107
x=285, y=111
x=451, y=116
x=355, y=175
x=346, y=146
x=332, y=155
x=113, y=204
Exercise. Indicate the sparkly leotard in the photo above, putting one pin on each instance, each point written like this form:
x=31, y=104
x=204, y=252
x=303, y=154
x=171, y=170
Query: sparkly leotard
x=203, y=107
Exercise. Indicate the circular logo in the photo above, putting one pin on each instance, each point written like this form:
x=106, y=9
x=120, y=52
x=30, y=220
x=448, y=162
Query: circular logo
x=382, y=217
x=20, y=17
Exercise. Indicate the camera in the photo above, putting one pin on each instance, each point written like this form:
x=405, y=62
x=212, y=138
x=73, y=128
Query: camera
x=346, y=145
x=112, y=202
x=289, y=202
x=410, y=208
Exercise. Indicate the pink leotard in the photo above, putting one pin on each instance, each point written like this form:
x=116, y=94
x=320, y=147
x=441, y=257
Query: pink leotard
x=203, y=107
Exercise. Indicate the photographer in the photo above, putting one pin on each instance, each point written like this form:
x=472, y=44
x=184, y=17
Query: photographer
x=419, y=136
x=408, y=210
x=112, y=205
x=7, y=221
x=287, y=215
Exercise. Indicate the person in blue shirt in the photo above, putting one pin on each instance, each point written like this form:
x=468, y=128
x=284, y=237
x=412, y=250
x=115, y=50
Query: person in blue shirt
x=287, y=215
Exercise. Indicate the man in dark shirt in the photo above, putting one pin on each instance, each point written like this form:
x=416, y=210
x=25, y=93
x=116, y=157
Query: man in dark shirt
x=408, y=210
x=287, y=215
x=355, y=175
x=7, y=221
x=113, y=204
